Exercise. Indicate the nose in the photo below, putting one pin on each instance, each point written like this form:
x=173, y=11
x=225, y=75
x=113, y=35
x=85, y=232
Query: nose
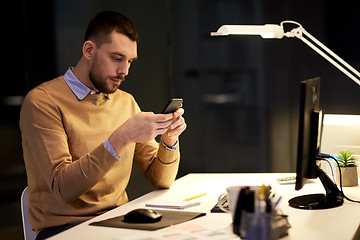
x=123, y=68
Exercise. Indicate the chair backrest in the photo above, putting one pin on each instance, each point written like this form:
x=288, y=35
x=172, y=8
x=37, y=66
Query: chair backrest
x=29, y=234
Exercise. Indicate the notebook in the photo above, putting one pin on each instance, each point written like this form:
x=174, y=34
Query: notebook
x=173, y=204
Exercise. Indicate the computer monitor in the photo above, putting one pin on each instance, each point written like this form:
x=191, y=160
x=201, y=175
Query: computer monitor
x=310, y=123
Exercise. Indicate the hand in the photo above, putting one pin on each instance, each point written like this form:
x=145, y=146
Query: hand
x=171, y=136
x=142, y=127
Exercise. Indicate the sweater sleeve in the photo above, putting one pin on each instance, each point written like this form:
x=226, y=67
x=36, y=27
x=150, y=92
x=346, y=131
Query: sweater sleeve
x=45, y=140
x=158, y=164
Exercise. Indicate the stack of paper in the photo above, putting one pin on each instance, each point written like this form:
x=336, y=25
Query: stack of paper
x=173, y=204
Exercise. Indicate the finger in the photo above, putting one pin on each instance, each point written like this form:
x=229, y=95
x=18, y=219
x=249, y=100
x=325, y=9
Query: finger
x=163, y=117
x=160, y=131
x=178, y=113
x=164, y=125
x=180, y=124
x=177, y=123
x=178, y=130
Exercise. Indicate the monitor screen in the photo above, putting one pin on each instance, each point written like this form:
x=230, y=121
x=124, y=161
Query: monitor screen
x=310, y=123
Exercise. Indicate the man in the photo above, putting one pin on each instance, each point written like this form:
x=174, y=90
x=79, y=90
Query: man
x=81, y=134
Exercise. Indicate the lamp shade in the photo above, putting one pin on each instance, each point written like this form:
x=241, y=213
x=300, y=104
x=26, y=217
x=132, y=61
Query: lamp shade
x=265, y=31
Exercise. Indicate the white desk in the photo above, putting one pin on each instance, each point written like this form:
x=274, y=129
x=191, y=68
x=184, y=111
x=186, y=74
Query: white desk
x=337, y=223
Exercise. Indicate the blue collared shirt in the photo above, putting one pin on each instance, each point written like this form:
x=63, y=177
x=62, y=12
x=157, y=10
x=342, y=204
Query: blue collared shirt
x=81, y=91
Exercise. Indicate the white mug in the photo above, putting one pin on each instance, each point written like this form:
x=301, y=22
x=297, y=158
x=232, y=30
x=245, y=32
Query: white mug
x=233, y=195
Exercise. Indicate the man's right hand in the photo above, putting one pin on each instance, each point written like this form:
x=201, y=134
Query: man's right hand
x=142, y=127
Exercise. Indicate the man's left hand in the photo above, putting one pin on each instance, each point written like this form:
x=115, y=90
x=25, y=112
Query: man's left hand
x=171, y=136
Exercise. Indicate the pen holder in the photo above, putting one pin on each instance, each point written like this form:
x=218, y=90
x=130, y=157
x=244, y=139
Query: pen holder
x=263, y=226
x=257, y=226
x=251, y=224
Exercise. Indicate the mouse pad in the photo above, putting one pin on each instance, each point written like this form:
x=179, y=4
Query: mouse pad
x=168, y=218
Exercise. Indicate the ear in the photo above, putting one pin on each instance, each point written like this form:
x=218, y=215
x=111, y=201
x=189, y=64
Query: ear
x=88, y=49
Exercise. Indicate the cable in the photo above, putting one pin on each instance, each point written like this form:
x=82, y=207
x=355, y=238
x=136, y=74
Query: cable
x=332, y=172
x=325, y=156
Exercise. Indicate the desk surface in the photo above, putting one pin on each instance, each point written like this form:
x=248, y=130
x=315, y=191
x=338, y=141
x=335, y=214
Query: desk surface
x=336, y=223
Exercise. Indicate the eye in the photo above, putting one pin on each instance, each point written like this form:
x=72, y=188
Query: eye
x=131, y=60
x=117, y=59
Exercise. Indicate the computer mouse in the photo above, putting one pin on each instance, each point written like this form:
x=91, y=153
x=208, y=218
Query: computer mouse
x=142, y=215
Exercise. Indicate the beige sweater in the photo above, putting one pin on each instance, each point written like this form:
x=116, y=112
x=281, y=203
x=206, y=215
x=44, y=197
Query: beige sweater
x=71, y=175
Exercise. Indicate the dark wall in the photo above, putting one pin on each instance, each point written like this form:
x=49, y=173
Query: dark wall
x=27, y=60
x=240, y=93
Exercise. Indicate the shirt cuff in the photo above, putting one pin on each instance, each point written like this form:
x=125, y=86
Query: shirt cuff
x=108, y=146
x=167, y=147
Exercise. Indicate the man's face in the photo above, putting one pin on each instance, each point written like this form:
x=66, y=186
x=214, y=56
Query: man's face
x=111, y=63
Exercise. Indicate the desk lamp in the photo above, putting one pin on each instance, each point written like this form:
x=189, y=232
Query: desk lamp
x=307, y=167
x=277, y=31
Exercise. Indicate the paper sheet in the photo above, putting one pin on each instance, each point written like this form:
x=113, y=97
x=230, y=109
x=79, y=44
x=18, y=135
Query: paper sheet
x=173, y=204
x=186, y=231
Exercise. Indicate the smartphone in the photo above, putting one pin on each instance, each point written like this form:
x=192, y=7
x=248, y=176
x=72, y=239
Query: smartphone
x=173, y=105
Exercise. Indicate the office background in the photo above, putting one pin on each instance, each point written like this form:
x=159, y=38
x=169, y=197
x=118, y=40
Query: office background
x=240, y=93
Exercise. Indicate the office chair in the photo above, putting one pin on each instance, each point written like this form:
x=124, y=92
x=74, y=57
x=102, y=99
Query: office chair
x=29, y=234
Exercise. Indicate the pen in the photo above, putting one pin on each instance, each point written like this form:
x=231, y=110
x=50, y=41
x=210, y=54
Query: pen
x=261, y=199
x=278, y=201
x=196, y=196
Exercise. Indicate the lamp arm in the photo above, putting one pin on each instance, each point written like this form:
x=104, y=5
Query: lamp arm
x=276, y=31
x=325, y=52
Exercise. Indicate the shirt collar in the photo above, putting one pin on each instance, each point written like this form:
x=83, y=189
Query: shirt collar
x=77, y=87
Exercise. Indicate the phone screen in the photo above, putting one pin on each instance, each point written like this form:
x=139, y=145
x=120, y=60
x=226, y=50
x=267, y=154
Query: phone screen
x=173, y=105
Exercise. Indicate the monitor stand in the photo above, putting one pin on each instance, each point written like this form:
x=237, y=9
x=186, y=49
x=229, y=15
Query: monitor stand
x=332, y=198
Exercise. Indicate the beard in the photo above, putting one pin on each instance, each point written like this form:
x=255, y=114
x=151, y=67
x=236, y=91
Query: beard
x=101, y=83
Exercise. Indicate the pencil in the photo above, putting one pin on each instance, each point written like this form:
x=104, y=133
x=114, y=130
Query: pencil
x=196, y=196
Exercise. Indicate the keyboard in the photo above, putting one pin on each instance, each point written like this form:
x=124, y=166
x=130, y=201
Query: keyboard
x=224, y=202
x=286, y=180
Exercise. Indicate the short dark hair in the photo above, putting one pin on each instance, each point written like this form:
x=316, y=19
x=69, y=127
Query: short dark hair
x=103, y=23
